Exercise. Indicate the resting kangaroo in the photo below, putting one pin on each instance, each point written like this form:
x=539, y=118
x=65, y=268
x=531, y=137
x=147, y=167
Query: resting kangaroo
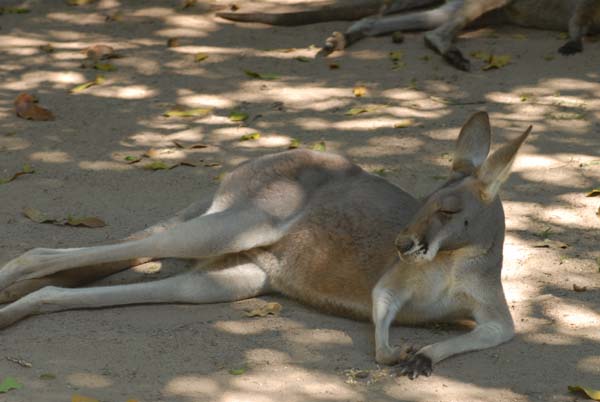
x=319, y=229
x=443, y=23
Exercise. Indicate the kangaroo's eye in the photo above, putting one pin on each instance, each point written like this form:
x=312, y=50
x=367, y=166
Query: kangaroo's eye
x=448, y=211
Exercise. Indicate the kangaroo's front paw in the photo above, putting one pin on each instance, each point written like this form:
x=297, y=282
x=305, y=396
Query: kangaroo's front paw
x=571, y=47
x=418, y=364
x=390, y=356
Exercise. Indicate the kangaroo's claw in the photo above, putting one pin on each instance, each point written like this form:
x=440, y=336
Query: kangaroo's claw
x=455, y=58
x=417, y=365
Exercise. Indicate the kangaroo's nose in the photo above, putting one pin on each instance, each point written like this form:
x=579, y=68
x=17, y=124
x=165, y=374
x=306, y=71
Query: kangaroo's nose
x=404, y=244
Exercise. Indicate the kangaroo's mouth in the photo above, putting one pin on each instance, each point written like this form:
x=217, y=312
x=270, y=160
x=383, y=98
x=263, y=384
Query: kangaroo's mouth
x=411, y=248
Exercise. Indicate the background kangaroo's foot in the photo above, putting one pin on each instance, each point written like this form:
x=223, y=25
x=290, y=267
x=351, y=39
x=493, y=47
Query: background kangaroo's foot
x=571, y=47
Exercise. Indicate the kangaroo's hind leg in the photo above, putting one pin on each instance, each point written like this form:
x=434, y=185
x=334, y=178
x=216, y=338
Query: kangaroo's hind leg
x=240, y=281
x=78, y=277
x=380, y=25
x=442, y=38
x=204, y=237
x=579, y=24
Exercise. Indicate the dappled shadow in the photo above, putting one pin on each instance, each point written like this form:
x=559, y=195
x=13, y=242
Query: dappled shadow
x=183, y=353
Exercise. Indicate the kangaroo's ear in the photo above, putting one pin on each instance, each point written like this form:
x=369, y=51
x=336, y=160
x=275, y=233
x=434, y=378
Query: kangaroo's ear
x=497, y=167
x=473, y=144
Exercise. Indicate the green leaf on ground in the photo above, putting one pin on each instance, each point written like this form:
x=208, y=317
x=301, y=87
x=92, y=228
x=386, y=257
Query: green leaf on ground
x=14, y=10
x=237, y=371
x=27, y=169
x=184, y=112
x=497, y=61
x=236, y=115
x=302, y=59
x=594, y=193
x=200, y=57
x=403, y=123
x=248, y=137
x=294, y=143
x=8, y=384
x=157, y=165
x=593, y=394
x=98, y=81
x=47, y=376
x=319, y=146
x=105, y=67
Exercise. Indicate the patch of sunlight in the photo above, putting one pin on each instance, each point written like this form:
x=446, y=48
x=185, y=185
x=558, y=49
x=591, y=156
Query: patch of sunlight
x=103, y=165
x=303, y=96
x=241, y=327
x=188, y=97
x=88, y=18
x=88, y=380
x=448, y=389
x=561, y=216
x=68, y=36
x=369, y=55
x=526, y=162
x=13, y=143
x=267, y=355
x=358, y=124
x=142, y=65
x=51, y=157
x=192, y=134
x=590, y=364
x=266, y=141
x=312, y=123
x=568, y=84
x=192, y=386
x=297, y=383
x=577, y=316
x=550, y=338
x=154, y=12
x=148, y=139
x=35, y=78
x=128, y=92
x=405, y=94
x=319, y=336
x=236, y=396
x=8, y=42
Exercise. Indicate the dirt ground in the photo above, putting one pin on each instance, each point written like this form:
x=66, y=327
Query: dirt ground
x=187, y=353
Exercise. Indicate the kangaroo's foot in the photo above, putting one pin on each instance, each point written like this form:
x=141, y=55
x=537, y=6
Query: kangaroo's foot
x=448, y=51
x=571, y=47
x=416, y=365
x=394, y=355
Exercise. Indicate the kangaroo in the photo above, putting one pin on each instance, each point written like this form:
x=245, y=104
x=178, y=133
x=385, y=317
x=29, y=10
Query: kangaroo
x=443, y=22
x=317, y=228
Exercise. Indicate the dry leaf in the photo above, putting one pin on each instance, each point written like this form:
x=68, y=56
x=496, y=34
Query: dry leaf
x=403, y=123
x=47, y=48
x=187, y=4
x=302, y=59
x=173, y=42
x=334, y=66
x=88, y=222
x=14, y=10
x=272, y=308
x=578, y=288
x=26, y=108
x=548, y=243
x=359, y=91
x=27, y=169
x=20, y=362
x=237, y=371
x=158, y=165
x=81, y=398
x=591, y=393
x=79, y=2
x=37, y=216
x=192, y=146
x=47, y=376
x=359, y=110
x=132, y=159
x=100, y=52
x=114, y=17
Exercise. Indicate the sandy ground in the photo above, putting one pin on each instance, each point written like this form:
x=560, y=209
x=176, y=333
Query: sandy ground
x=183, y=352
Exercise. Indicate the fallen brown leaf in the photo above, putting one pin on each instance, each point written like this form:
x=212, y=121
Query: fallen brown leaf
x=87, y=221
x=26, y=108
x=96, y=53
x=578, y=288
x=272, y=308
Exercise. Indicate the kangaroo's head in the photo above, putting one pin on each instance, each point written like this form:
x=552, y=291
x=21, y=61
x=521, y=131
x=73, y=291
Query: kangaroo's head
x=466, y=210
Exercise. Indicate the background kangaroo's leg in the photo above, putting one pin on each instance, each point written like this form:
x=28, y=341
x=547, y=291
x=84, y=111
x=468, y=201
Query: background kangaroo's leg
x=377, y=25
x=78, y=276
x=399, y=6
x=579, y=24
x=235, y=283
x=207, y=236
x=442, y=38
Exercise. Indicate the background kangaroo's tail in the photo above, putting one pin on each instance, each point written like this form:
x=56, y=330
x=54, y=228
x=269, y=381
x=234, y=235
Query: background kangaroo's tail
x=326, y=13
